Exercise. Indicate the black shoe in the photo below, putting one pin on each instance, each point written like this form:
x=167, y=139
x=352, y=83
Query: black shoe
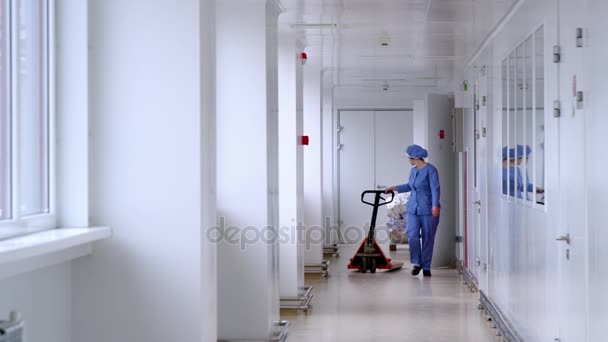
x=416, y=270
x=426, y=273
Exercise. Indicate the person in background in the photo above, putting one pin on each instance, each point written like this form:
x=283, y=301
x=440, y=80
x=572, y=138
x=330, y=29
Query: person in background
x=423, y=209
x=508, y=171
x=529, y=187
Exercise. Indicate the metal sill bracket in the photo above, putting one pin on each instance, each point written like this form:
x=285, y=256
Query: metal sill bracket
x=332, y=249
x=322, y=268
x=279, y=334
x=301, y=302
x=494, y=315
x=12, y=330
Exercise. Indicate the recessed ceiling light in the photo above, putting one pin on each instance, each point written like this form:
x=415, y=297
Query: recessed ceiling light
x=319, y=25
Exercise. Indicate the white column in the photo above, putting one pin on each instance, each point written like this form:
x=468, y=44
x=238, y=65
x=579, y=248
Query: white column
x=313, y=163
x=290, y=162
x=329, y=147
x=208, y=260
x=247, y=168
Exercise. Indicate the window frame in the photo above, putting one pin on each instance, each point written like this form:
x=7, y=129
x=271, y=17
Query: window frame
x=18, y=224
x=506, y=108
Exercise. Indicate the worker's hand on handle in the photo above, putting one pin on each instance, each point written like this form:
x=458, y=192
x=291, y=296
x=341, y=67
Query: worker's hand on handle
x=389, y=189
x=435, y=211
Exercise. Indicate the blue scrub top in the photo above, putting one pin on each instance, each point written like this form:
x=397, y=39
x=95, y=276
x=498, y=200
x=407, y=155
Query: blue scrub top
x=425, y=190
x=511, y=178
x=520, y=183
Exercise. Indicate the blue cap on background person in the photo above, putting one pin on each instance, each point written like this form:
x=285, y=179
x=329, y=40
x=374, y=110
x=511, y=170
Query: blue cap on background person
x=520, y=151
x=415, y=151
x=508, y=153
x=523, y=151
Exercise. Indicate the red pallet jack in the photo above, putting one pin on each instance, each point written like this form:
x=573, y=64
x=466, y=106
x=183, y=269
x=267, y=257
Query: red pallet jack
x=370, y=255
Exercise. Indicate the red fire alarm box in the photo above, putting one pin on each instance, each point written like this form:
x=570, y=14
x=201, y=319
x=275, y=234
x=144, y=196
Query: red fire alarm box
x=304, y=140
x=442, y=134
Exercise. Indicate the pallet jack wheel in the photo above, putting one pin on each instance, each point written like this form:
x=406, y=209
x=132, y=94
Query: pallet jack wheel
x=363, y=267
x=372, y=265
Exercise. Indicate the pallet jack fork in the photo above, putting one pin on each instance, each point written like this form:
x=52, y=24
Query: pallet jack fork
x=369, y=255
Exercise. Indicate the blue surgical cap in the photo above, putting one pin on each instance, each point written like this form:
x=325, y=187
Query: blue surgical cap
x=523, y=151
x=508, y=153
x=520, y=151
x=415, y=151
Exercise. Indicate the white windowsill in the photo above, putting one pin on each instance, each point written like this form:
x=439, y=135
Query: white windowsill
x=30, y=252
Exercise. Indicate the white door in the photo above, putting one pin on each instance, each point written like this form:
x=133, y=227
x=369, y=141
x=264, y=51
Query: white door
x=393, y=134
x=481, y=193
x=371, y=156
x=572, y=232
x=356, y=172
x=475, y=198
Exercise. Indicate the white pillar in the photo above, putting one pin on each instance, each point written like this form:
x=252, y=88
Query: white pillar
x=313, y=163
x=330, y=220
x=207, y=164
x=247, y=168
x=291, y=161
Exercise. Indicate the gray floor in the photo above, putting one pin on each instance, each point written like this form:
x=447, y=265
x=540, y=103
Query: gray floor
x=396, y=306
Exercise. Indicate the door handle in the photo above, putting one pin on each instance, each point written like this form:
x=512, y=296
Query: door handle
x=477, y=202
x=565, y=238
x=381, y=187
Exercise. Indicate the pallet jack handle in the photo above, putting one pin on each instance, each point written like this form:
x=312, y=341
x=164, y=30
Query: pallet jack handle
x=377, y=204
x=378, y=197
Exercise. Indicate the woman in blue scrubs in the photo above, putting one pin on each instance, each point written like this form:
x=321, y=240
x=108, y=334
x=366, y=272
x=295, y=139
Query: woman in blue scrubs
x=423, y=209
x=508, y=171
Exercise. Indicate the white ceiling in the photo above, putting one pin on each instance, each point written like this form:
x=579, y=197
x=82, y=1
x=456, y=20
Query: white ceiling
x=427, y=39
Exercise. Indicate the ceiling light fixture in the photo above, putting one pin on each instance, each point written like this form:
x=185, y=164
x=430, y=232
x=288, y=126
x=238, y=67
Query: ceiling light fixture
x=319, y=25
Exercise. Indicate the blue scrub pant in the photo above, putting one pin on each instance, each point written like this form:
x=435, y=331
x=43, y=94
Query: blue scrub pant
x=425, y=227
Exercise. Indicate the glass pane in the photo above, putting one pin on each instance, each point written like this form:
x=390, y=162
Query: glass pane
x=505, y=126
x=539, y=144
x=33, y=109
x=527, y=167
x=5, y=119
x=512, y=127
x=519, y=117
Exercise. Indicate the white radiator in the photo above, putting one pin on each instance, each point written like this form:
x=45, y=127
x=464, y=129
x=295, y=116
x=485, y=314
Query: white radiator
x=12, y=330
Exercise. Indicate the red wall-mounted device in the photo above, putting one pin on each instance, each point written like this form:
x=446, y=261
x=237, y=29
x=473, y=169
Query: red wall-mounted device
x=304, y=140
x=442, y=134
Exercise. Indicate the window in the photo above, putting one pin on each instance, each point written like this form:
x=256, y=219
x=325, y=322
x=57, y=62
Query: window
x=25, y=150
x=523, y=114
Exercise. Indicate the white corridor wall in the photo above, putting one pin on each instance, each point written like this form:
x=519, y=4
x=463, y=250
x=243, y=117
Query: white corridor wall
x=522, y=254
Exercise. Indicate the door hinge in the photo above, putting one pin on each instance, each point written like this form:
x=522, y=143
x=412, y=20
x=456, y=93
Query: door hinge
x=557, y=54
x=485, y=267
x=459, y=239
x=340, y=128
x=339, y=147
x=478, y=261
x=557, y=109
x=579, y=37
x=579, y=100
x=484, y=101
